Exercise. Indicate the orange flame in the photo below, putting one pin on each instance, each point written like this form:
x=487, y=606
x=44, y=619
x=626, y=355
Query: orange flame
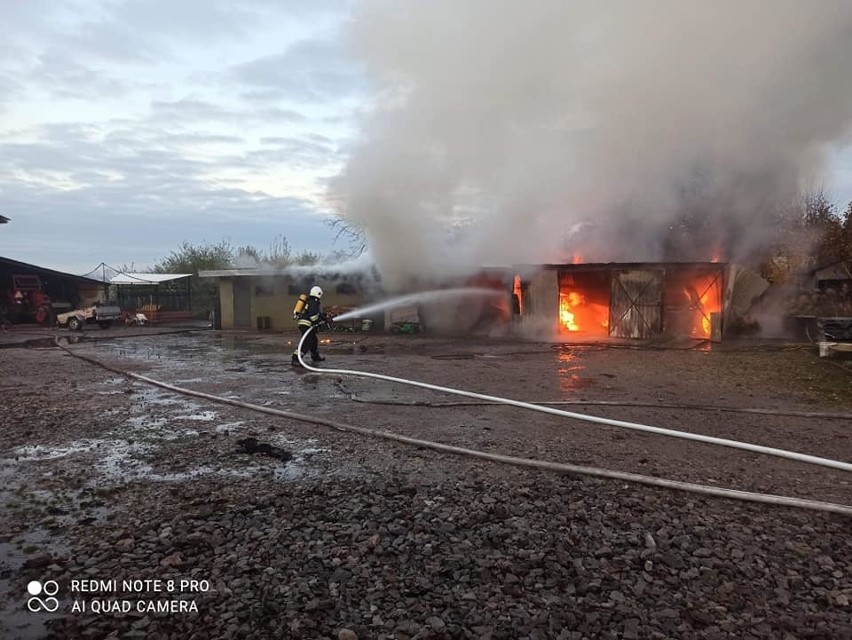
x=566, y=316
x=704, y=298
x=517, y=290
x=577, y=314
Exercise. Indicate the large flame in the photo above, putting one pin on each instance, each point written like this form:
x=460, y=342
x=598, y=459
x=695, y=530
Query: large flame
x=578, y=314
x=704, y=298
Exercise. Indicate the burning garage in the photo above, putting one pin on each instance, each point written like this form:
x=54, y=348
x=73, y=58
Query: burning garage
x=624, y=300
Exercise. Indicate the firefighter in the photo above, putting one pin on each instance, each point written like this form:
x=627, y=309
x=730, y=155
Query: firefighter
x=309, y=313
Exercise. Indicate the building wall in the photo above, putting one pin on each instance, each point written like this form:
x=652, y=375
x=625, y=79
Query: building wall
x=541, y=304
x=226, y=300
x=270, y=297
x=243, y=318
x=90, y=293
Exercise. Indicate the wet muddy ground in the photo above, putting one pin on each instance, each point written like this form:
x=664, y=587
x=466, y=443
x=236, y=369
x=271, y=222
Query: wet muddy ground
x=109, y=478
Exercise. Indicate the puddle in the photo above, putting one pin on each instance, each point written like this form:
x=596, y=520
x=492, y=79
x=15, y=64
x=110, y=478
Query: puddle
x=204, y=416
x=118, y=461
x=223, y=354
x=229, y=427
x=157, y=417
x=16, y=621
x=144, y=422
x=42, y=343
x=222, y=358
x=572, y=382
x=43, y=452
x=112, y=453
x=569, y=372
x=146, y=394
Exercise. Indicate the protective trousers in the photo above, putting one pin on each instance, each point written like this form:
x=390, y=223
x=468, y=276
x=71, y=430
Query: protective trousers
x=311, y=344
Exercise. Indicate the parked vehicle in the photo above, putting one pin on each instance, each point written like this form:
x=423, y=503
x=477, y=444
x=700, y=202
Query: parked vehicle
x=26, y=301
x=102, y=314
x=136, y=319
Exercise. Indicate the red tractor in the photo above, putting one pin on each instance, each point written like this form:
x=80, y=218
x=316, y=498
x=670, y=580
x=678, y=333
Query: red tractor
x=26, y=301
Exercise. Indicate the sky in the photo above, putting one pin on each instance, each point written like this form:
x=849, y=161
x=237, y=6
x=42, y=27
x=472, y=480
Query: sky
x=130, y=126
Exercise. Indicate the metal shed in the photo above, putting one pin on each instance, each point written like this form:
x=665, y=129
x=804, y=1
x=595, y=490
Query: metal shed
x=625, y=300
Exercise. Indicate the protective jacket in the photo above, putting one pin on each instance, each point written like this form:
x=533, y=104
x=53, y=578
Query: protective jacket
x=312, y=314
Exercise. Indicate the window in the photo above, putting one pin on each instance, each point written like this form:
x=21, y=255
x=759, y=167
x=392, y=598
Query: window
x=264, y=290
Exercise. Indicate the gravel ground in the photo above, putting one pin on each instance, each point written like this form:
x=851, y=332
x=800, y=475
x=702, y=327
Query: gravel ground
x=341, y=536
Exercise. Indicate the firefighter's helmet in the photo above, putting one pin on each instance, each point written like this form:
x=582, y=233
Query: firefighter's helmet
x=316, y=292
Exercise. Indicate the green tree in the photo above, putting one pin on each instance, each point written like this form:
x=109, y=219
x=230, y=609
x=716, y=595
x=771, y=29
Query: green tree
x=190, y=258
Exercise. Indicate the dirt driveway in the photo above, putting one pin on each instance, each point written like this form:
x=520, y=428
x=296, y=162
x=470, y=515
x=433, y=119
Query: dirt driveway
x=268, y=525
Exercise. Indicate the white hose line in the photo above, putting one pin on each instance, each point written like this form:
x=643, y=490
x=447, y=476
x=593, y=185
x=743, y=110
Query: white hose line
x=558, y=467
x=615, y=403
x=523, y=462
x=781, y=453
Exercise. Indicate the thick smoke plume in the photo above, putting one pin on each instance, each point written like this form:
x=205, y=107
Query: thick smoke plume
x=507, y=131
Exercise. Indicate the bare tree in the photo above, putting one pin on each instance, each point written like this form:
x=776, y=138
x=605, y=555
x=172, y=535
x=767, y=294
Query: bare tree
x=353, y=233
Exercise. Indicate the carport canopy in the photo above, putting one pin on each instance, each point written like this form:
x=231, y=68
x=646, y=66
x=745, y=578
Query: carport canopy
x=147, y=278
x=154, y=293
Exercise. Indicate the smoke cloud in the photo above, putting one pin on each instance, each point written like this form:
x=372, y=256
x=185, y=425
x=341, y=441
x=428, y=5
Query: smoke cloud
x=505, y=132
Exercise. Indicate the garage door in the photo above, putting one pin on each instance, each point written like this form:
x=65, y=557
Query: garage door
x=635, y=309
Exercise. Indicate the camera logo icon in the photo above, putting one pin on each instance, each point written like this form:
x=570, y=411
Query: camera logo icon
x=50, y=588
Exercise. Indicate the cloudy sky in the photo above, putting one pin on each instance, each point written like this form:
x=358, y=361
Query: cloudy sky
x=129, y=126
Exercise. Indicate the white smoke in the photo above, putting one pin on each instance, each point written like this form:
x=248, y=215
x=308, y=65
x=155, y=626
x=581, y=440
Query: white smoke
x=537, y=129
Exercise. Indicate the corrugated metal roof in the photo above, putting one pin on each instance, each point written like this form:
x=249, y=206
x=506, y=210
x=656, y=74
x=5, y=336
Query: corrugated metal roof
x=25, y=266
x=330, y=272
x=246, y=271
x=146, y=278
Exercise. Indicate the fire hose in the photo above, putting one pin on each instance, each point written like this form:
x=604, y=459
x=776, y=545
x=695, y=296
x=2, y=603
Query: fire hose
x=558, y=467
x=605, y=473
x=735, y=444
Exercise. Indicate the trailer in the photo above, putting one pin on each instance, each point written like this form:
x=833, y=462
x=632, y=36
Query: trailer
x=102, y=314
